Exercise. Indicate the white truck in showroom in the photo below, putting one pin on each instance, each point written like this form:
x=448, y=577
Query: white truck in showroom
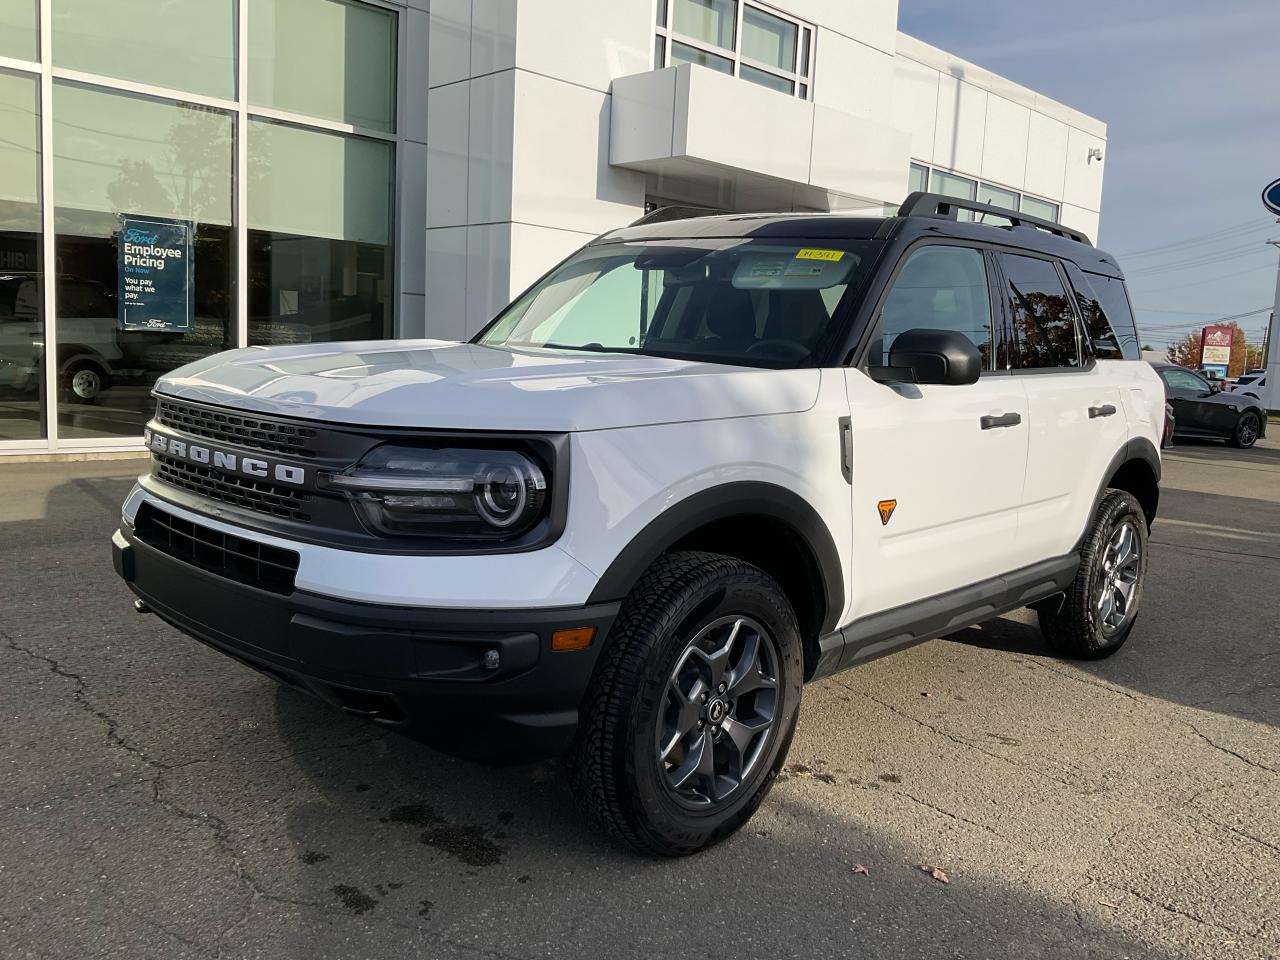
x=700, y=463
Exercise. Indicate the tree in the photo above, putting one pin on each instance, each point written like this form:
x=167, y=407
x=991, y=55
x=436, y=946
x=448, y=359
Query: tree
x=1186, y=352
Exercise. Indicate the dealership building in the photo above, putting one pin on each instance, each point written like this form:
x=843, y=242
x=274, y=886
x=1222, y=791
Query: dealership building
x=185, y=177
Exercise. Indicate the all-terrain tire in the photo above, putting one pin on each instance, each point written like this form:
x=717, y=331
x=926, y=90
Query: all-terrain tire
x=1079, y=627
x=615, y=770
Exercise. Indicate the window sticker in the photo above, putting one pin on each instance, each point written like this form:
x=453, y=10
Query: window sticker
x=810, y=253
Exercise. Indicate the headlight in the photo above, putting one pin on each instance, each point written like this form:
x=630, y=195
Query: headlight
x=451, y=492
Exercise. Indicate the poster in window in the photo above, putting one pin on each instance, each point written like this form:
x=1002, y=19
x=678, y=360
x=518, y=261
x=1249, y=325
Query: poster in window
x=155, y=274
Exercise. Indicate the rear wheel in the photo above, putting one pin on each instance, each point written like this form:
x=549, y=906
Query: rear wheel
x=84, y=380
x=1100, y=608
x=693, y=705
x=1247, y=429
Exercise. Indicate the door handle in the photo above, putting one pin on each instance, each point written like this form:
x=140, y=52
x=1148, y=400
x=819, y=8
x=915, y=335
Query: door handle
x=990, y=422
x=1106, y=410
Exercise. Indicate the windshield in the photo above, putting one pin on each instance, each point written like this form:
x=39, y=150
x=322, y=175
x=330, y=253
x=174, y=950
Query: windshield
x=765, y=303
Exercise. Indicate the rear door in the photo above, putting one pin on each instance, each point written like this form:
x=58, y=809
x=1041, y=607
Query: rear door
x=1193, y=408
x=1076, y=419
x=936, y=471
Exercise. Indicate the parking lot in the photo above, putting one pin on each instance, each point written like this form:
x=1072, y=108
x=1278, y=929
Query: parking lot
x=159, y=800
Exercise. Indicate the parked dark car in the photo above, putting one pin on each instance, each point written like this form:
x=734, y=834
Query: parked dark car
x=1200, y=409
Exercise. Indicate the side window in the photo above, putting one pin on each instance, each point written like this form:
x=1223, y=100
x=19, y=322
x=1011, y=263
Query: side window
x=1114, y=299
x=940, y=287
x=1040, y=313
x=1184, y=380
x=1108, y=320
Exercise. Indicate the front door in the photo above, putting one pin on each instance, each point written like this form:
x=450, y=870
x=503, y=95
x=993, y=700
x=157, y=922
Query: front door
x=937, y=471
x=1194, y=412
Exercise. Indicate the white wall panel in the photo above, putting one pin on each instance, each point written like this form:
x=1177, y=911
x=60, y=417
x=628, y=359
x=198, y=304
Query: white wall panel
x=415, y=74
x=562, y=175
x=588, y=42
x=450, y=41
x=535, y=250
x=854, y=156
x=915, y=105
x=961, y=126
x=873, y=22
x=411, y=217
x=448, y=127
x=489, y=165
x=493, y=36
x=411, y=316
x=642, y=116
x=1004, y=149
x=1046, y=156
x=488, y=273
x=1081, y=219
x=446, y=300
x=853, y=78
x=1083, y=183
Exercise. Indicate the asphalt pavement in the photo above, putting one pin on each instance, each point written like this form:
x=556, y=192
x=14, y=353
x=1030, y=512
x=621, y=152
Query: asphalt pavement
x=159, y=800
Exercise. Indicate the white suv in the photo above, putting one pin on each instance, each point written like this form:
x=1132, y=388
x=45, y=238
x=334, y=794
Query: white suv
x=698, y=464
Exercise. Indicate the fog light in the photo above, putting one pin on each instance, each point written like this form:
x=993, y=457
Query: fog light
x=575, y=638
x=491, y=660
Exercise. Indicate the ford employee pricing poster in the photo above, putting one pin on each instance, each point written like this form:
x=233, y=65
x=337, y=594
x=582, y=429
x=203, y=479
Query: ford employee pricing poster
x=155, y=275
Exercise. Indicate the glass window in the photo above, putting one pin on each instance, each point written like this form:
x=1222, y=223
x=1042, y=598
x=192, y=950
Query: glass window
x=22, y=393
x=917, y=178
x=324, y=58
x=1039, y=208
x=997, y=196
x=711, y=21
x=949, y=185
x=320, y=247
x=183, y=44
x=748, y=302
x=1044, y=324
x=683, y=53
x=1184, y=380
x=119, y=157
x=805, y=43
x=659, y=52
x=940, y=287
x=1108, y=320
x=769, y=39
x=662, y=13
x=18, y=34
x=766, y=79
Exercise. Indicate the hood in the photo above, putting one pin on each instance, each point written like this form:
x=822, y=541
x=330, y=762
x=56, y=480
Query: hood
x=463, y=386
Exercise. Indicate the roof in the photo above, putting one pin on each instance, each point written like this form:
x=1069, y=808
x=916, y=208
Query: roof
x=837, y=226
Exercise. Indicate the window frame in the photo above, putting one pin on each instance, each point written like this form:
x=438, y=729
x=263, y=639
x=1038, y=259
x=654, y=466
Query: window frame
x=1084, y=350
x=859, y=357
x=931, y=170
x=801, y=79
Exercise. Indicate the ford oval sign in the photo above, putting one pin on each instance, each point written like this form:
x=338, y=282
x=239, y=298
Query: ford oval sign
x=1271, y=197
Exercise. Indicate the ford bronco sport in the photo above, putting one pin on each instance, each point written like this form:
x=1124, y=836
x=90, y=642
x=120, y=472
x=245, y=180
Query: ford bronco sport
x=698, y=464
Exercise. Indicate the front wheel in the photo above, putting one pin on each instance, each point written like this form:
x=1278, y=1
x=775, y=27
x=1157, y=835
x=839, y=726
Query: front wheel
x=691, y=712
x=1100, y=607
x=1247, y=429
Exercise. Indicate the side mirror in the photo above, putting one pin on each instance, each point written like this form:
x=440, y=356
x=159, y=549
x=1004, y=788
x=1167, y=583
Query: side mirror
x=931, y=356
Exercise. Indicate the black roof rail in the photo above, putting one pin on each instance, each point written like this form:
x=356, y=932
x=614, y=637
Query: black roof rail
x=920, y=204
x=677, y=212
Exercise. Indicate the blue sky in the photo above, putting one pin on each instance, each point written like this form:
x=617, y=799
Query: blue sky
x=1190, y=93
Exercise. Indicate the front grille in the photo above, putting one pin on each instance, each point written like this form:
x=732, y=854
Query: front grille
x=260, y=496
x=226, y=555
x=273, y=436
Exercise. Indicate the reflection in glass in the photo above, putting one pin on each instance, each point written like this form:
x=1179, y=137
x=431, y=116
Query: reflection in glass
x=18, y=35
x=766, y=79
x=683, y=53
x=711, y=21
x=183, y=44
x=119, y=155
x=319, y=235
x=1044, y=326
x=1040, y=208
x=324, y=58
x=769, y=39
x=22, y=394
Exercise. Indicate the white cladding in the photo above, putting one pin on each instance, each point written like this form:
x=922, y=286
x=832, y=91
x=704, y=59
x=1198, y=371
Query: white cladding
x=547, y=125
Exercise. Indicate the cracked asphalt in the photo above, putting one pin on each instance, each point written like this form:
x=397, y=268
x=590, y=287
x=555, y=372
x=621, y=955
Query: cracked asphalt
x=159, y=800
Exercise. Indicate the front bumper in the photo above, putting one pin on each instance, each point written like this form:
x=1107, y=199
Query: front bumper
x=419, y=669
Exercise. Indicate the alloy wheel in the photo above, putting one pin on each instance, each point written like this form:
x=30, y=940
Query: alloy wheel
x=86, y=384
x=718, y=711
x=1118, y=579
x=1248, y=430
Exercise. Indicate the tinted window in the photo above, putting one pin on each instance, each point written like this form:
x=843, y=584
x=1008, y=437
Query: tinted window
x=1108, y=319
x=1184, y=380
x=939, y=288
x=1042, y=317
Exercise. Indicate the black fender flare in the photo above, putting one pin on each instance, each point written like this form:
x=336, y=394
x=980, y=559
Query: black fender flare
x=1140, y=449
x=742, y=498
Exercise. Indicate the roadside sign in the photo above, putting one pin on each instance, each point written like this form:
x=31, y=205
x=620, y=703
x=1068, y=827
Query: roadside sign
x=1271, y=197
x=1215, y=348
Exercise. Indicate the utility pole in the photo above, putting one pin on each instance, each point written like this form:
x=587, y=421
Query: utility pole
x=1272, y=357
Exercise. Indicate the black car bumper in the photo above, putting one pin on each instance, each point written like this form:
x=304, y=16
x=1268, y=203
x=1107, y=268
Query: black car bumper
x=427, y=671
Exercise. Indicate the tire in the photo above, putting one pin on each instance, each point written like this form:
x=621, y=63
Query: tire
x=1078, y=627
x=84, y=381
x=630, y=760
x=1248, y=427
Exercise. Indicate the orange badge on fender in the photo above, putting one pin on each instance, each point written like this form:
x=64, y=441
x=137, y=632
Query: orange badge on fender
x=886, y=508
